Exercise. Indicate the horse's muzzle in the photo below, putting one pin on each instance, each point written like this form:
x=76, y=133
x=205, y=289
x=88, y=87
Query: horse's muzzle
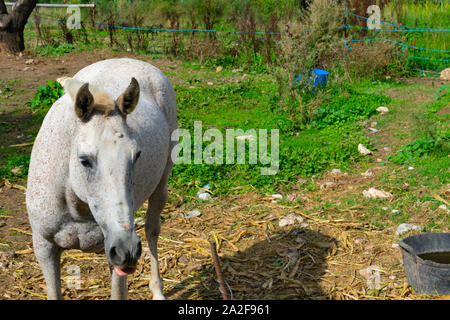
x=123, y=252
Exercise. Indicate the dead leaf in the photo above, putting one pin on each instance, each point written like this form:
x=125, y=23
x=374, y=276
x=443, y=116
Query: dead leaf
x=25, y=251
x=21, y=231
x=21, y=145
x=17, y=170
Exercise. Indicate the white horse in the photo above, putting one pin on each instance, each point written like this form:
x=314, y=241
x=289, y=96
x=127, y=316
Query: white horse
x=102, y=150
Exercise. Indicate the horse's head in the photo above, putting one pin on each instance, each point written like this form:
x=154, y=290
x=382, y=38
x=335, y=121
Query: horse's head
x=102, y=167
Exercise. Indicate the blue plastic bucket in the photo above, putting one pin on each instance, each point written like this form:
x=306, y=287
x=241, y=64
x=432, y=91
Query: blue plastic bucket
x=320, y=77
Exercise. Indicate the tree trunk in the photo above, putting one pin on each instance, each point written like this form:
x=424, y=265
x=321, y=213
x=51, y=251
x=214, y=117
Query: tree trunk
x=12, y=41
x=12, y=24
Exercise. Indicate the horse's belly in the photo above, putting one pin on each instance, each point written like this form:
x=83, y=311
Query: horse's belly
x=86, y=236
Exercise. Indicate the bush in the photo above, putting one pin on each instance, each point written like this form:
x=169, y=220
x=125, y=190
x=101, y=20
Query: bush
x=22, y=161
x=418, y=148
x=46, y=96
x=350, y=105
x=372, y=60
x=312, y=42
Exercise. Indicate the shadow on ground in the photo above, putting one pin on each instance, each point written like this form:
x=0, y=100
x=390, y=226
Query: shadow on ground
x=289, y=265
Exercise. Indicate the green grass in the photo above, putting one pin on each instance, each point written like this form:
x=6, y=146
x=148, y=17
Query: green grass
x=426, y=14
x=46, y=96
x=429, y=147
x=330, y=140
x=15, y=161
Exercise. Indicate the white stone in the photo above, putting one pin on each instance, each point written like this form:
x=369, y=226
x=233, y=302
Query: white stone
x=327, y=184
x=368, y=173
x=363, y=150
x=405, y=227
x=300, y=240
x=375, y=193
x=290, y=220
x=204, y=196
x=193, y=213
x=382, y=110
x=246, y=137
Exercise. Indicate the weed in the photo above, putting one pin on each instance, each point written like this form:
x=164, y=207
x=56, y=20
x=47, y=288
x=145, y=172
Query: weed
x=19, y=161
x=46, y=96
x=418, y=148
x=349, y=105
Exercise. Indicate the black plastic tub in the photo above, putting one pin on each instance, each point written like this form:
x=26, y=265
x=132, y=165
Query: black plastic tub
x=426, y=259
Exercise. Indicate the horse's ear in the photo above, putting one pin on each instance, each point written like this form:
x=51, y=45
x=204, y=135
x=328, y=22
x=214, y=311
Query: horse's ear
x=128, y=100
x=84, y=102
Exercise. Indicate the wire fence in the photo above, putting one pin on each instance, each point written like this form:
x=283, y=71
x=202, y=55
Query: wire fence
x=443, y=54
x=439, y=56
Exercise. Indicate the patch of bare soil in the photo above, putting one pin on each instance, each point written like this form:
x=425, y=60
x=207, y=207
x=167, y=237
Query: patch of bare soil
x=38, y=70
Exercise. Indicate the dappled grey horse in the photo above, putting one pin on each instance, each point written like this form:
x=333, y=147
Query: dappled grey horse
x=103, y=149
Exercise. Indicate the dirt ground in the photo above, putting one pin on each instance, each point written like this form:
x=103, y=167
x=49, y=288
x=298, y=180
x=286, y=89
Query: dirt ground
x=318, y=257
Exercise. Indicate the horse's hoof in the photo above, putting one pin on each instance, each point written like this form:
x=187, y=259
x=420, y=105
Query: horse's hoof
x=159, y=296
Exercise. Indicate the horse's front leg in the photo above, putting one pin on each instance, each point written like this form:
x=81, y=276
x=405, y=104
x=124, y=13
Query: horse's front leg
x=156, y=204
x=48, y=255
x=119, y=290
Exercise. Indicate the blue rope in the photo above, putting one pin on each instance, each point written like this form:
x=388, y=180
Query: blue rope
x=422, y=58
x=160, y=30
x=395, y=30
x=413, y=57
x=396, y=25
x=399, y=43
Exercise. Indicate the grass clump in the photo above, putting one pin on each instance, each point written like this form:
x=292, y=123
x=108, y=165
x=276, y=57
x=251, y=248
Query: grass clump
x=18, y=162
x=348, y=106
x=418, y=148
x=46, y=96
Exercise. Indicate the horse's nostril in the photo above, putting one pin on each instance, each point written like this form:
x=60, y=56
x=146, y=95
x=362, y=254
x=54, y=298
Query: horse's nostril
x=112, y=252
x=116, y=255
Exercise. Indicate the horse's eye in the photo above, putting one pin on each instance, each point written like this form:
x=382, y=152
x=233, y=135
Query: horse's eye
x=86, y=163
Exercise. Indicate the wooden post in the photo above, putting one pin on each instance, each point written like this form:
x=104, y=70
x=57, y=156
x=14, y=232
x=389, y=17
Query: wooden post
x=223, y=288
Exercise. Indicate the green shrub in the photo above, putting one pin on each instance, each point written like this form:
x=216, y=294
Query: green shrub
x=46, y=96
x=418, y=148
x=15, y=162
x=55, y=51
x=347, y=106
x=312, y=41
